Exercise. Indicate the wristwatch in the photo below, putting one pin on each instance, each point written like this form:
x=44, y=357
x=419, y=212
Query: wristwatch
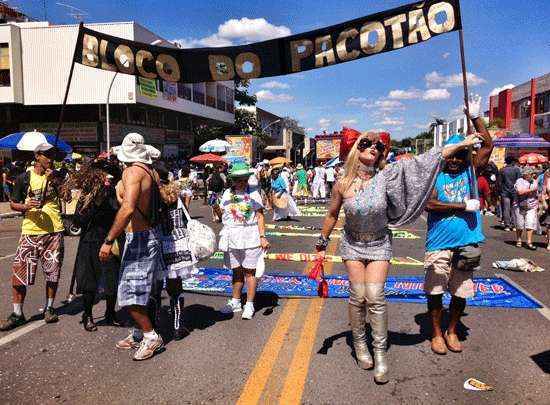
x=108, y=241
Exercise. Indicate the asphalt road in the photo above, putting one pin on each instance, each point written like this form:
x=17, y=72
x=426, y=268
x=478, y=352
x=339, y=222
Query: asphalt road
x=293, y=351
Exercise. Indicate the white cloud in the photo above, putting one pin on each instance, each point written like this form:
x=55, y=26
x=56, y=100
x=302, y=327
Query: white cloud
x=324, y=123
x=435, y=79
x=422, y=126
x=405, y=94
x=274, y=85
x=497, y=90
x=389, y=121
x=310, y=129
x=356, y=100
x=385, y=105
x=347, y=123
x=456, y=112
x=446, y=55
x=436, y=94
x=268, y=95
x=232, y=32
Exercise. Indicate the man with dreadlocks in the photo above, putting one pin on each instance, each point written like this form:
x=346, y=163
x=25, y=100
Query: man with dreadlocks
x=95, y=213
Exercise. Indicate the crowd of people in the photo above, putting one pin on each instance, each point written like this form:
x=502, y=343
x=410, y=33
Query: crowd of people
x=518, y=196
x=126, y=199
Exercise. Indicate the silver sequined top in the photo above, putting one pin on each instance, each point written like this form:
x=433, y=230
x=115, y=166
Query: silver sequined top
x=395, y=196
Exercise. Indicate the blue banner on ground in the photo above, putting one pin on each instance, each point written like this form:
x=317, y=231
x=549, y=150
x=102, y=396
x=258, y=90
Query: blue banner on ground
x=490, y=292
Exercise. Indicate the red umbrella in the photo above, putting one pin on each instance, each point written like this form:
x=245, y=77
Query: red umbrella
x=533, y=159
x=208, y=158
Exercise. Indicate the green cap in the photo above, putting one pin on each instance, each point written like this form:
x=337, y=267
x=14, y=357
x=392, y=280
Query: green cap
x=240, y=169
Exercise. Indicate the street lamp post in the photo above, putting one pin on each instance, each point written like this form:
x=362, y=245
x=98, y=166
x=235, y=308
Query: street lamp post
x=267, y=126
x=107, y=124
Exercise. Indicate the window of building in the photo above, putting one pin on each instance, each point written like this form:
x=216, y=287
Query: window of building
x=543, y=103
x=220, y=97
x=211, y=95
x=154, y=117
x=229, y=100
x=198, y=93
x=136, y=115
x=184, y=91
x=5, y=80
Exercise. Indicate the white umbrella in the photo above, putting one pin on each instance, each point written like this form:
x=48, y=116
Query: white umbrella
x=215, y=145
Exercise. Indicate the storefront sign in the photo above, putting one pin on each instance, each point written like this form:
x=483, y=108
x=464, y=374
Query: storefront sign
x=170, y=91
x=359, y=38
x=327, y=148
x=147, y=87
x=241, y=149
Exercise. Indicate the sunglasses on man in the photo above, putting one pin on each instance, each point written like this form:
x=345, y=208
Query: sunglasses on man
x=366, y=143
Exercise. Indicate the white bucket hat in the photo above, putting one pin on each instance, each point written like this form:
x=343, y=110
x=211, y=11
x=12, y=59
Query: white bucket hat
x=134, y=149
x=34, y=141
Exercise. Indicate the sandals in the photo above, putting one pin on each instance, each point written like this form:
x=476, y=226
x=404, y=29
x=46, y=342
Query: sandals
x=530, y=246
x=518, y=244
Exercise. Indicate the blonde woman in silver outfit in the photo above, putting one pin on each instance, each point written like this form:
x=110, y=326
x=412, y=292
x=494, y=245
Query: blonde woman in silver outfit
x=376, y=197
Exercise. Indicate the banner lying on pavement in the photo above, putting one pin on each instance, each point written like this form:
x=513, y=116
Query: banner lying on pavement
x=310, y=257
x=489, y=292
x=397, y=234
x=359, y=38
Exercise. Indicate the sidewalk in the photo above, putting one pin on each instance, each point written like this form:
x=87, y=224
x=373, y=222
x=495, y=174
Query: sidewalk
x=6, y=212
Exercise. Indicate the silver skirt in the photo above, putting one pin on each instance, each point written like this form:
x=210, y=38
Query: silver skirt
x=362, y=250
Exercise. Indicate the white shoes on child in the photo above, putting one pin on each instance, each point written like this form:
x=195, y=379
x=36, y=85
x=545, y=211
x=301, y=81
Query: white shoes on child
x=234, y=305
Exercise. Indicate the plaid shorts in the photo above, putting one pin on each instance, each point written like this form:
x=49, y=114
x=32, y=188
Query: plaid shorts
x=141, y=265
x=33, y=249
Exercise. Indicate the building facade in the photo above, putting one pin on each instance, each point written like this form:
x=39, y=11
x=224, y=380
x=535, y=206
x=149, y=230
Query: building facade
x=523, y=109
x=442, y=132
x=35, y=59
x=283, y=137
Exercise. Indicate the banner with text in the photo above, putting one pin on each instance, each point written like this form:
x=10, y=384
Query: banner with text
x=359, y=38
x=489, y=292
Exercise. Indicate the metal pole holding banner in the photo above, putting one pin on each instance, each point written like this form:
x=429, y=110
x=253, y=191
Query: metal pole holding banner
x=472, y=171
x=464, y=80
x=62, y=112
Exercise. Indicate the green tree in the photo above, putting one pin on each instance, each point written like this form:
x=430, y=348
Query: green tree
x=241, y=93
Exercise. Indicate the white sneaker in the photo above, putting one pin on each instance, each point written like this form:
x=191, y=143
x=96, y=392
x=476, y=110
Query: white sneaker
x=231, y=307
x=148, y=348
x=248, y=312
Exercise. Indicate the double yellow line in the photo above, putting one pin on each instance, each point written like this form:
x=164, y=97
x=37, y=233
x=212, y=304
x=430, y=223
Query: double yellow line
x=266, y=382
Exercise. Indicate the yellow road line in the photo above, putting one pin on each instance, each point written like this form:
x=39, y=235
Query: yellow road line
x=294, y=385
x=257, y=380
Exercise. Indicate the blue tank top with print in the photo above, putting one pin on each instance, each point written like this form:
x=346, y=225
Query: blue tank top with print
x=449, y=230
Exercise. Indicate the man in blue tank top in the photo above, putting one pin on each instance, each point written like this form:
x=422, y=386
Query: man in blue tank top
x=453, y=238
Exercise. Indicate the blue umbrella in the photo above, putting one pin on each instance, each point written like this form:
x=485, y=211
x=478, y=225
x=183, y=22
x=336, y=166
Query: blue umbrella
x=11, y=141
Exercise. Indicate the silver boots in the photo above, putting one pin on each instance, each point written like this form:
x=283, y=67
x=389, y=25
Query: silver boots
x=378, y=317
x=357, y=318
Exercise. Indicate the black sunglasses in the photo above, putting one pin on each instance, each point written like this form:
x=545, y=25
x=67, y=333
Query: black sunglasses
x=366, y=143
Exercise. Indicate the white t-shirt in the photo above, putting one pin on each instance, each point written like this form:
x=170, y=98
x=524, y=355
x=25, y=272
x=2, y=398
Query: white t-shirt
x=319, y=175
x=330, y=174
x=239, y=218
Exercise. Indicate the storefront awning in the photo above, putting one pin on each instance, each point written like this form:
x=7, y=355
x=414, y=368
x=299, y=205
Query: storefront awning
x=521, y=141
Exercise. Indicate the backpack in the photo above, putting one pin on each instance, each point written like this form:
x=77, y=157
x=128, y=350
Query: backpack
x=216, y=183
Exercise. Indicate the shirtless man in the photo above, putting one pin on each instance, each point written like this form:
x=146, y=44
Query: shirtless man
x=141, y=262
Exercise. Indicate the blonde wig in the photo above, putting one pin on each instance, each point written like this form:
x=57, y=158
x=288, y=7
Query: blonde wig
x=351, y=167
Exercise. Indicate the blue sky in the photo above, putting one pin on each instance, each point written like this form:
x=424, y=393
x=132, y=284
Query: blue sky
x=507, y=42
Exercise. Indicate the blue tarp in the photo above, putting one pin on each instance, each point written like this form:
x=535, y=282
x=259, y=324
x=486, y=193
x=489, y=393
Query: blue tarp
x=490, y=292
